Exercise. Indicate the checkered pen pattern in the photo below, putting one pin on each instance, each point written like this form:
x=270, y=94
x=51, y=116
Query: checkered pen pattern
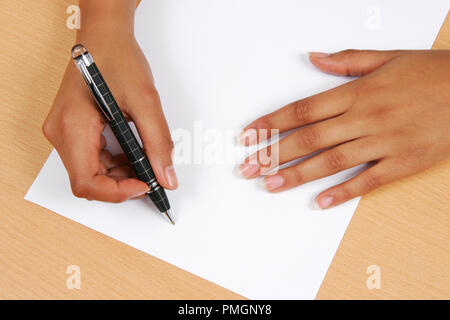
x=129, y=143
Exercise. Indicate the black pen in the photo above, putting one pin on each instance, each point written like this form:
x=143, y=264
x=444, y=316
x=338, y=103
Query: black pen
x=119, y=126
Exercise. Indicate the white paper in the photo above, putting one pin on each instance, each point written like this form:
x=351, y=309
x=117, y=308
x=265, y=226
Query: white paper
x=219, y=65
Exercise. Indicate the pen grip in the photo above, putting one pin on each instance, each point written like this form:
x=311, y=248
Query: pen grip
x=138, y=160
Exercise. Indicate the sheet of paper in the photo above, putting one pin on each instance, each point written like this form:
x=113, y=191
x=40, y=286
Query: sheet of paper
x=217, y=66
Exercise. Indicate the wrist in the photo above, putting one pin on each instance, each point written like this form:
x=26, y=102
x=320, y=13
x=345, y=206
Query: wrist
x=103, y=18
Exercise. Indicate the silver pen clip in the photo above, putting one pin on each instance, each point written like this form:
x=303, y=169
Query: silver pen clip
x=82, y=60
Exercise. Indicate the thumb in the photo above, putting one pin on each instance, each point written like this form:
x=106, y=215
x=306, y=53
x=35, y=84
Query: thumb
x=352, y=62
x=151, y=124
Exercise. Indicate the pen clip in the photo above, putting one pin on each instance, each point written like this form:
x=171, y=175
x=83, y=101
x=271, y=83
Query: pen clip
x=82, y=61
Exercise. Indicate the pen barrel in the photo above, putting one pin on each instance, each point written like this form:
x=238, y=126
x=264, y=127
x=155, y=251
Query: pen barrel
x=129, y=143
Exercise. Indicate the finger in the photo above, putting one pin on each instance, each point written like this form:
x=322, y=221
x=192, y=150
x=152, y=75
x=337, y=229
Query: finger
x=301, y=143
x=382, y=173
x=109, y=189
x=151, y=124
x=82, y=163
x=111, y=161
x=125, y=171
x=352, y=62
x=104, y=187
x=329, y=162
x=319, y=107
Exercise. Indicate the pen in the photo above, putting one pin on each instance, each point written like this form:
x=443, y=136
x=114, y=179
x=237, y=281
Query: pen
x=119, y=126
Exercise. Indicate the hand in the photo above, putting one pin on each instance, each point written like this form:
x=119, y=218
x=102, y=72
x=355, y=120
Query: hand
x=74, y=125
x=397, y=115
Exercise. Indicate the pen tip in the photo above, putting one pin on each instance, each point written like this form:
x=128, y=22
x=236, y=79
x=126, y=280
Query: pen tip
x=169, y=216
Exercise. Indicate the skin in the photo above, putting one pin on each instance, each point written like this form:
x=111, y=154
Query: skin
x=396, y=116
x=74, y=124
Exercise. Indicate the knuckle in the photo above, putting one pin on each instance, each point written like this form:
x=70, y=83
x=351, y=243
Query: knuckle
x=308, y=137
x=414, y=153
x=150, y=96
x=345, y=194
x=48, y=129
x=163, y=146
x=335, y=160
x=262, y=124
x=371, y=181
x=302, y=110
x=348, y=53
x=297, y=176
x=379, y=114
x=168, y=145
x=80, y=188
x=399, y=132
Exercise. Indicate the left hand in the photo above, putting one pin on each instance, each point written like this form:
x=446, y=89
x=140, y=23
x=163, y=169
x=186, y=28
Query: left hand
x=396, y=114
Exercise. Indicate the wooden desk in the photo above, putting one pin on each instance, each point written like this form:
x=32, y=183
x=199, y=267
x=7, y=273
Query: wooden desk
x=403, y=227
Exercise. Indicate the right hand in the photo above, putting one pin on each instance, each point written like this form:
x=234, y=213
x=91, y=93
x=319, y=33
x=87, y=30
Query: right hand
x=74, y=124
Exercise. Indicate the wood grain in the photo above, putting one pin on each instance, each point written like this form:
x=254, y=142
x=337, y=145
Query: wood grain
x=403, y=227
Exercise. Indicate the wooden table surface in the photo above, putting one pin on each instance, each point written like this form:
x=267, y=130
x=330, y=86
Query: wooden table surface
x=403, y=227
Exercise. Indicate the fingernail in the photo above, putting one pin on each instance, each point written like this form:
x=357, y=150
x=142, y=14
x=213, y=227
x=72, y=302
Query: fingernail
x=248, y=137
x=171, y=177
x=319, y=55
x=273, y=182
x=324, y=202
x=249, y=169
